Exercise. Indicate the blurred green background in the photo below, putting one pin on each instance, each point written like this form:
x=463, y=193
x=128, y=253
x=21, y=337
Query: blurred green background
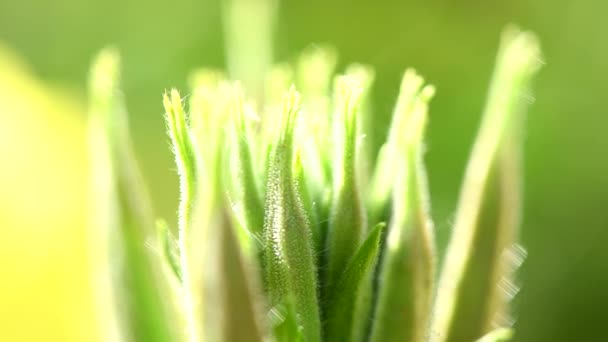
x=564, y=296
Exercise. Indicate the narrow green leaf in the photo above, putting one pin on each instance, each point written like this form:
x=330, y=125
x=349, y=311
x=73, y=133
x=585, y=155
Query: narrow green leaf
x=169, y=248
x=365, y=76
x=277, y=82
x=219, y=289
x=286, y=329
x=138, y=283
x=241, y=309
x=343, y=309
x=469, y=297
x=407, y=272
x=310, y=206
x=188, y=168
x=290, y=273
x=315, y=71
x=186, y=160
x=347, y=221
x=228, y=292
x=498, y=335
x=209, y=113
x=383, y=177
x=243, y=170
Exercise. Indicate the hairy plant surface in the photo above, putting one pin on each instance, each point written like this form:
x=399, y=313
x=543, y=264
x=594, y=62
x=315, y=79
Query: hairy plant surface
x=287, y=232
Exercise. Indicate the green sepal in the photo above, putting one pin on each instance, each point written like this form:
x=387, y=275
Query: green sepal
x=233, y=303
x=385, y=171
x=310, y=206
x=343, y=316
x=407, y=270
x=244, y=169
x=169, y=248
x=469, y=298
x=347, y=220
x=289, y=261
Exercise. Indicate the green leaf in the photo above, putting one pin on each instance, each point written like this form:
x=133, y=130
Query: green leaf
x=347, y=221
x=278, y=81
x=469, y=298
x=241, y=318
x=365, y=76
x=310, y=207
x=407, y=272
x=141, y=291
x=169, y=248
x=219, y=288
x=343, y=315
x=209, y=105
x=243, y=170
x=384, y=174
x=290, y=273
x=498, y=335
x=286, y=329
x=315, y=71
x=186, y=157
x=188, y=168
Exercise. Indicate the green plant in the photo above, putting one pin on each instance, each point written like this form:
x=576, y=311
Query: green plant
x=290, y=230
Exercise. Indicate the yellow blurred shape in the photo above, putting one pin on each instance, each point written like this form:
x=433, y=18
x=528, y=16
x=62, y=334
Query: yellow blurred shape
x=45, y=275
